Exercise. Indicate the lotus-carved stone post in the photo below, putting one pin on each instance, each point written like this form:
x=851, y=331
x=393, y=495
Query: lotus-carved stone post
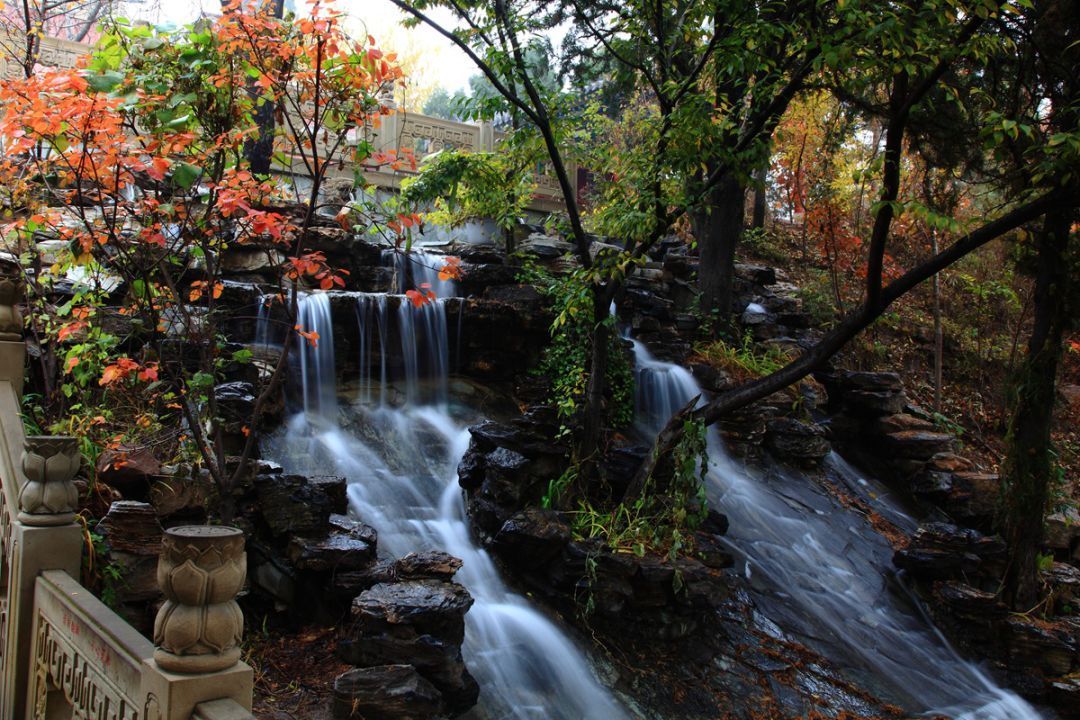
x=11, y=321
x=49, y=496
x=199, y=627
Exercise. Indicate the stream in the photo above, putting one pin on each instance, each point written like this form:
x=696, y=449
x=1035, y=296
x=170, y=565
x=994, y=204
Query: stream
x=817, y=569
x=823, y=574
x=401, y=466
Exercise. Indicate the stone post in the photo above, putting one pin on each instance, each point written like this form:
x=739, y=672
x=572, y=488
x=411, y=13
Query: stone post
x=201, y=570
x=11, y=321
x=49, y=496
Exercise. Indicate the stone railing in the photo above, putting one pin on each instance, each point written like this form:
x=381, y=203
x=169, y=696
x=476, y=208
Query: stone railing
x=62, y=652
x=53, y=52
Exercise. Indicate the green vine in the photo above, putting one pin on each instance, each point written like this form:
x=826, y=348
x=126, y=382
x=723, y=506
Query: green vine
x=661, y=519
x=566, y=359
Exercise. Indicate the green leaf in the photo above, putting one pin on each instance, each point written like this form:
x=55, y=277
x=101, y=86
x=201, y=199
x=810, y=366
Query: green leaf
x=106, y=81
x=185, y=174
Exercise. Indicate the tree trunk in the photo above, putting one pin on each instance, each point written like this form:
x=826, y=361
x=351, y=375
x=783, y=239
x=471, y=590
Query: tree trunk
x=939, y=335
x=1029, y=466
x=592, y=424
x=259, y=152
x=718, y=229
x=760, y=199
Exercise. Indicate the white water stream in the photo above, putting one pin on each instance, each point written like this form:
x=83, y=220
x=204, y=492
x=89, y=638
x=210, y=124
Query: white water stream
x=815, y=564
x=828, y=570
x=401, y=465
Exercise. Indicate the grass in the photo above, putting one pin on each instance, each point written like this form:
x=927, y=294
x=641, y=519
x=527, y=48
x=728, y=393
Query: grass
x=743, y=362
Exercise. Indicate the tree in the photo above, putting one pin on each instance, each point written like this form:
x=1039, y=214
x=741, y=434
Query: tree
x=442, y=104
x=1040, y=142
x=896, y=62
x=136, y=166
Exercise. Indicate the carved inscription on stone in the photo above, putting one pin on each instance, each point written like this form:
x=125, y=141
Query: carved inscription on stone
x=61, y=665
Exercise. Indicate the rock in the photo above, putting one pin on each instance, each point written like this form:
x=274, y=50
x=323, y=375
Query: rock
x=429, y=605
x=1063, y=530
x=596, y=249
x=801, y=442
x=420, y=623
x=950, y=462
x=932, y=485
x=532, y=538
x=901, y=422
x=240, y=260
x=1051, y=647
x=431, y=565
x=1064, y=583
x=517, y=294
x=271, y=576
x=385, y=692
x=335, y=193
x=871, y=394
x=353, y=582
x=133, y=535
x=337, y=551
x=710, y=378
x=943, y=551
x=917, y=444
x=127, y=468
x=973, y=498
x=970, y=604
x=757, y=274
x=711, y=551
x=176, y=492
x=296, y=504
x=1065, y=695
x=131, y=527
x=544, y=246
x=236, y=401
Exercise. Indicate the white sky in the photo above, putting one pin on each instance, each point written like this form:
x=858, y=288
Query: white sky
x=378, y=18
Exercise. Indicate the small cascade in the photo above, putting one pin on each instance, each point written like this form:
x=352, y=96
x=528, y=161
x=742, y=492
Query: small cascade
x=373, y=327
x=821, y=571
x=316, y=354
x=425, y=349
x=661, y=389
x=419, y=268
x=401, y=464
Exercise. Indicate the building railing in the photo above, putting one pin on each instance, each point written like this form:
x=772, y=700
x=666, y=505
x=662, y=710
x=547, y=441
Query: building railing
x=63, y=653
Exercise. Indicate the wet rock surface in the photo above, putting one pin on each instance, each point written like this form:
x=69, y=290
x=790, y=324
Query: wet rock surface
x=418, y=623
x=385, y=692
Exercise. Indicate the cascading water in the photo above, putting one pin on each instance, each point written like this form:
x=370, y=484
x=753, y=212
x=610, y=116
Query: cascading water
x=419, y=269
x=661, y=389
x=316, y=353
x=401, y=464
x=829, y=572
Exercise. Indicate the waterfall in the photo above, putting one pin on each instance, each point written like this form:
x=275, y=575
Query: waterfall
x=373, y=325
x=401, y=465
x=316, y=354
x=822, y=571
x=661, y=389
x=425, y=348
x=417, y=268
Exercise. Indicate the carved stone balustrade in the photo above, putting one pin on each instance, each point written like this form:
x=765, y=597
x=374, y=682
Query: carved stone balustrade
x=49, y=496
x=201, y=570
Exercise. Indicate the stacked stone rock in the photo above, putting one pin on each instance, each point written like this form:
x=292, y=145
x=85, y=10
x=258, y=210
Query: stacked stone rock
x=961, y=570
x=958, y=567
x=506, y=470
x=874, y=423
x=405, y=639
